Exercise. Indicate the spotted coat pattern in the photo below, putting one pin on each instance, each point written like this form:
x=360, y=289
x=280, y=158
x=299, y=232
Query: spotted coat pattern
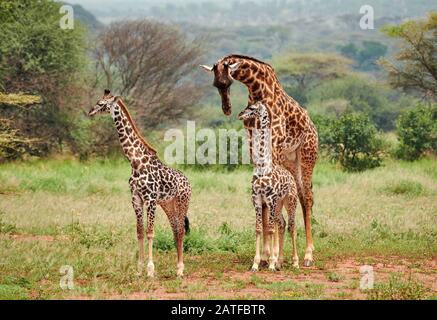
x=152, y=182
x=294, y=136
x=273, y=186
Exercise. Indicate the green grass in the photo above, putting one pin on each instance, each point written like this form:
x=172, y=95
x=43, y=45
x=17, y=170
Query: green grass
x=79, y=213
x=396, y=288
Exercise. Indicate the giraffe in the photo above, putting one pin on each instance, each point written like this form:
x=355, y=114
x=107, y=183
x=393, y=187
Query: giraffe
x=273, y=187
x=294, y=136
x=152, y=183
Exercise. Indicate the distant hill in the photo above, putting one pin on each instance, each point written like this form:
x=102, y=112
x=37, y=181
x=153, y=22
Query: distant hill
x=216, y=13
x=86, y=17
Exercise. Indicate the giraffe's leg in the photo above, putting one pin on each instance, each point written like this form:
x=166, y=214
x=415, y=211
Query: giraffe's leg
x=281, y=235
x=259, y=229
x=302, y=169
x=307, y=172
x=177, y=226
x=151, y=208
x=271, y=233
x=138, y=207
x=291, y=205
x=182, y=206
x=276, y=245
x=266, y=246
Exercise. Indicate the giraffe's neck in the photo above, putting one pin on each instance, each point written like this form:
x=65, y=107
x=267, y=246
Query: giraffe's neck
x=262, y=143
x=133, y=144
x=260, y=79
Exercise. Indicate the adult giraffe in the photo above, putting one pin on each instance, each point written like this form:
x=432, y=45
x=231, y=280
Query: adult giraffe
x=294, y=136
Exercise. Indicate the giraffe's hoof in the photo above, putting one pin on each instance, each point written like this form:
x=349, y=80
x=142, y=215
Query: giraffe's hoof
x=308, y=263
x=272, y=268
x=254, y=267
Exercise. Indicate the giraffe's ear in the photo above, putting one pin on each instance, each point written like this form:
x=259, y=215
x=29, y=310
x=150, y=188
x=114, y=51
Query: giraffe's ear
x=206, y=68
x=234, y=67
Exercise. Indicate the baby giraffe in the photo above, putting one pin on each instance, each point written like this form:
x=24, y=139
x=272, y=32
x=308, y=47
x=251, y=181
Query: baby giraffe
x=272, y=187
x=152, y=183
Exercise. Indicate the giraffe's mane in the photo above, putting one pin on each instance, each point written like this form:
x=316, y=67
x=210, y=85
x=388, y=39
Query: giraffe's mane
x=240, y=56
x=134, y=127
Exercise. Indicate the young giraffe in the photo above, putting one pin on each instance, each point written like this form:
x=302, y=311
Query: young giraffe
x=272, y=187
x=294, y=136
x=152, y=182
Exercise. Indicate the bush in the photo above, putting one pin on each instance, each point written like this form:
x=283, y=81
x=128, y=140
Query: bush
x=358, y=94
x=397, y=288
x=12, y=144
x=94, y=137
x=417, y=131
x=352, y=141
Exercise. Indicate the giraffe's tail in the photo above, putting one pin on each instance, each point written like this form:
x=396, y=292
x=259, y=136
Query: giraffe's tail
x=187, y=225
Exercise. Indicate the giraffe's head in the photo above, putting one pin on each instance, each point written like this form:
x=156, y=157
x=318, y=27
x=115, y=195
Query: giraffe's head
x=104, y=105
x=254, y=111
x=223, y=79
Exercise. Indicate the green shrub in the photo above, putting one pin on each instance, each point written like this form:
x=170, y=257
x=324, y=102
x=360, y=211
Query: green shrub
x=405, y=187
x=13, y=145
x=358, y=94
x=397, y=288
x=353, y=142
x=417, y=131
x=94, y=137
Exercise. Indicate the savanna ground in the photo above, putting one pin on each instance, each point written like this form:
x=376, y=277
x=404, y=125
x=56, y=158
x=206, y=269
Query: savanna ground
x=65, y=212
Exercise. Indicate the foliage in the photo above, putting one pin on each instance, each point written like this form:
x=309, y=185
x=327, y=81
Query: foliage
x=396, y=288
x=415, y=68
x=39, y=57
x=358, y=94
x=302, y=71
x=365, y=55
x=12, y=144
x=18, y=99
x=353, y=142
x=147, y=63
x=94, y=137
x=36, y=53
x=417, y=131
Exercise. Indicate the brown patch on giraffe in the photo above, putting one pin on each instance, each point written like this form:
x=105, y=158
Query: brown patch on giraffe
x=261, y=81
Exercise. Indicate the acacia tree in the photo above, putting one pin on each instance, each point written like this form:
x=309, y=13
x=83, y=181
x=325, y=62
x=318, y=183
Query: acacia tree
x=305, y=70
x=415, y=65
x=148, y=63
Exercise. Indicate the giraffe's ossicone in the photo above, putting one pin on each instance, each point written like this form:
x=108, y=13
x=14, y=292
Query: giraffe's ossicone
x=152, y=182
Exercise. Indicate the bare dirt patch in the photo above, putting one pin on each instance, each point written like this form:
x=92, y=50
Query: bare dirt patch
x=338, y=279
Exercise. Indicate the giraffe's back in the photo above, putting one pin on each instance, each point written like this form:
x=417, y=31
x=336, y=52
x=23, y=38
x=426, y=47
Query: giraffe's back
x=278, y=183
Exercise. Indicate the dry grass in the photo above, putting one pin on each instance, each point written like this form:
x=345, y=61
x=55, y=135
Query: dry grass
x=85, y=208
